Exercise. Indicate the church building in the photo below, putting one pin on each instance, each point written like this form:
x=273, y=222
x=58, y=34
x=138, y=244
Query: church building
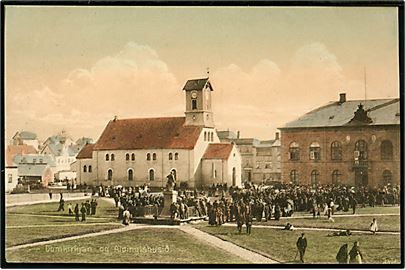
x=133, y=152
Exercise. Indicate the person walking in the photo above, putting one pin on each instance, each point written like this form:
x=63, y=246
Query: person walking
x=302, y=246
x=342, y=256
x=126, y=216
x=374, y=226
x=83, y=211
x=61, y=205
x=70, y=209
x=76, y=212
x=355, y=255
x=50, y=194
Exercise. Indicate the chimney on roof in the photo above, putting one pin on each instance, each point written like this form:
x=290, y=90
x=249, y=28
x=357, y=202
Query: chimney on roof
x=342, y=98
x=115, y=118
x=277, y=135
x=238, y=135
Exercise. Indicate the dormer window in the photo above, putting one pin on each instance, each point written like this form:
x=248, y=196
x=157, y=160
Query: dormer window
x=194, y=104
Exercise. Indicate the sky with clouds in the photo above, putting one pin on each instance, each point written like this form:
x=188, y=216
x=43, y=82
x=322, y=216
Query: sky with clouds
x=75, y=68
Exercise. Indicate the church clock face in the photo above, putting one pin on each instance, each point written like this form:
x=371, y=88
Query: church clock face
x=194, y=94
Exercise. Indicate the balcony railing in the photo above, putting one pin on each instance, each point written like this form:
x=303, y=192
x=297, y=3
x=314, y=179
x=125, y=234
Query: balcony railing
x=361, y=164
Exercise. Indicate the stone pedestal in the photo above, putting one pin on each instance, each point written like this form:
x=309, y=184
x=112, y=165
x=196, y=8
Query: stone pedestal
x=169, y=198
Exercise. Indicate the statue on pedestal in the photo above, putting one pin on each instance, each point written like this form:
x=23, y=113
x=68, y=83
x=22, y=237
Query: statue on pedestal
x=171, y=182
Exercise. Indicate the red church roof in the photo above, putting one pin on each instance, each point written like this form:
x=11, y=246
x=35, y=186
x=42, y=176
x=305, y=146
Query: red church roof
x=218, y=151
x=148, y=133
x=86, y=152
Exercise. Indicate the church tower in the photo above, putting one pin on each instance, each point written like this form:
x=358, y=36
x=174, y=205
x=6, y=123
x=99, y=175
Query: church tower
x=198, y=103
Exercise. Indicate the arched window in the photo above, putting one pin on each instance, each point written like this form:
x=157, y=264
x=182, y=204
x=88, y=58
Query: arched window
x=176, y=156
x=151, y=174
x=387, y=152
x=336, y=151
x=132, y=156
x=360, y=150
x=387, y=177
x=294, y=177
x=107, y=157
x=212, y=136
x=315, y=151
x=112, y=157
x=154, y=156
x=84, y=168
x=170, y=156
x=205, y=136
x=130, y=175
x=194, y=104
x=109, y=174
x=90, y=169
x=174, y=172
x=314, y=177
x=336, y=177
x=148, y=156
x=126, y=156
x=294, y=151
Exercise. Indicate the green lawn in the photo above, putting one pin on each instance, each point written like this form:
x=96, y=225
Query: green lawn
x=373, y=210
x=385, y=223
x=280, y=245
x=137, y=246
x=48, y=224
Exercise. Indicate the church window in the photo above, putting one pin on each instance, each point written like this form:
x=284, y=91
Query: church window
x=132, y=156
x=127, y=156
x=90, y=169
x=212, y=136
x=176, y=156
x=151, y=174
x=336, y=175
x=130, y=175
x=194, y=104
x=84, y=168
x=154, y=156
x=205, y=136
x=170, y=156
x=314, y=177
x=107, y=157
x=386, y=150
x=148, y=156
x=109, y=174
x=360, y=150
x=294, y=177
x=112, y=157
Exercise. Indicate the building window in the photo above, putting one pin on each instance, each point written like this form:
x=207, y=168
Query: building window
x=387, y=152
x=112, y=157
x=315, y=151
x=34, y=160
x=360, y=150
x=176, y=156
x=205, y=136
x=336, y=151
x=90, y=169
x=84, y=168
x=336, y=177
x=387, y=177
x=126, y=156
x=109, y=174
x=154, y=156
x=170, y=156
x=10, y=178
x=294, y=151
x=148, y=156
x=41, y=160
x=294, y=177
x=151, y=174
x=212, y=136
x=130, y=175
x=314, y=178
x=107, y=157
x=132, y=156
x=194, y=104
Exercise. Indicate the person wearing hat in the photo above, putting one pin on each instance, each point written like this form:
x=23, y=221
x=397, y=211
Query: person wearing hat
x=302, y=246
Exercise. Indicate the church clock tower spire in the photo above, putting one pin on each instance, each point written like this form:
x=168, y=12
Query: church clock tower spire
x=198, y=103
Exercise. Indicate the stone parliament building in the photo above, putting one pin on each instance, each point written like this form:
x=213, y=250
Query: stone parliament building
x=350, y=142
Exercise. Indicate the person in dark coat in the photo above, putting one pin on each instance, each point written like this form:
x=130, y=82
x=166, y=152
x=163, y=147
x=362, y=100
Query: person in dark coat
x=61, y=205
x=342, y=256
x=50, y=194
x=76, y=212
x=93, y=205
x=355, y=255
x=83, y=211
x=277, y=212
x=302, y=246
x=88, y=207
x=248, y=219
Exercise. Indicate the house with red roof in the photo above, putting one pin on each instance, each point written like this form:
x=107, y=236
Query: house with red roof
x=139, y=151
